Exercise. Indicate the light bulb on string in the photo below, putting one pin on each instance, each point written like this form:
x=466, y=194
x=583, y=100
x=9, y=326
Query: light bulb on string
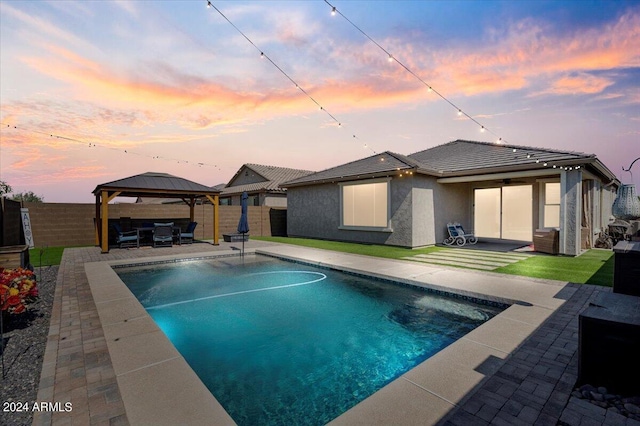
x=482, y=128
x=459, y=112
x=390, y=58
x=333, y=11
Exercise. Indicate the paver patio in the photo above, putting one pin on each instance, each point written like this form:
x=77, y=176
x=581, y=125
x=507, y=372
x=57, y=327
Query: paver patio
x=531, y=386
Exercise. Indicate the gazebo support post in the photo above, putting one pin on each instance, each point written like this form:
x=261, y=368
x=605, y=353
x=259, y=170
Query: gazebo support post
x=216, y=221
x=104, y=219
x=192, y=211
x=216, y=228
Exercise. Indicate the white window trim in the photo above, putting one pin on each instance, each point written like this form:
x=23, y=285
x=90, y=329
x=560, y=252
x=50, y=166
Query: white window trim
x=344, y=227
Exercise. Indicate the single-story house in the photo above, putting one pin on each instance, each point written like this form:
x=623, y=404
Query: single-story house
x=500, y=192
x=261, y=183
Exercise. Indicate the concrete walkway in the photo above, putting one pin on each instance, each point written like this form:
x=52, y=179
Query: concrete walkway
x=525, y=377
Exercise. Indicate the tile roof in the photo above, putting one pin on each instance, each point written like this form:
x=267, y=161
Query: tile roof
x=461, y=157
x=457, y=158
x=376, y=165
x=273, y=176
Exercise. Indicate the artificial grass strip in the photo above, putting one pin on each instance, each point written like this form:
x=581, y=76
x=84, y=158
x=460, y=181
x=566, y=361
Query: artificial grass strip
x=45, y=256
x=593, y=267
x=389, y=252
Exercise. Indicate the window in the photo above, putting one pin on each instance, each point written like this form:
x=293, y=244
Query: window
x=365, y=204
x=226, y=201
x=551, y=211
x=253, y=200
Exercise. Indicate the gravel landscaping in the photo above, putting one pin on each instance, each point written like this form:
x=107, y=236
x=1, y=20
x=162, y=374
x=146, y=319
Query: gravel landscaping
x=25, y=340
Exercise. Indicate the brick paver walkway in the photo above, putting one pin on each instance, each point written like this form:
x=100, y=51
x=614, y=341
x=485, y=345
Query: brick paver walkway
x=533, y=386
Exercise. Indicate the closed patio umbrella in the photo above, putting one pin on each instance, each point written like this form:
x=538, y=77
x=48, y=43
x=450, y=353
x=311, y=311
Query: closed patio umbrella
x=243, y=225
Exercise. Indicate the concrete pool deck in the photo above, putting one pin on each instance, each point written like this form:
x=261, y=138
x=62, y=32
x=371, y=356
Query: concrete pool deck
x=106, y=357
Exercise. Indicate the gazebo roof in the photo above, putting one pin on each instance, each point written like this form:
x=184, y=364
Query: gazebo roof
x=156, y=184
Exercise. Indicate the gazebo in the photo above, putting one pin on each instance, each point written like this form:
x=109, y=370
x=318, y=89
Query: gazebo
x=151, y=184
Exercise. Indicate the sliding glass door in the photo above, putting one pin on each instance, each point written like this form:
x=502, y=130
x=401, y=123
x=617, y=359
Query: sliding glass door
x=505, y=212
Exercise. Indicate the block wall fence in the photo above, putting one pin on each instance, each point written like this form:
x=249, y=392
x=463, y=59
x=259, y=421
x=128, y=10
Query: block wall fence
x=66, y=224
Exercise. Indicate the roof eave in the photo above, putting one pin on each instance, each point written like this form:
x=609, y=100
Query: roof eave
x=362, y=176
x=140, y=192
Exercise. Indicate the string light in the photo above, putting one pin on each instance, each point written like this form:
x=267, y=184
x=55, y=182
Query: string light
x=94, y=145
x=282, y=71
x=335, y=11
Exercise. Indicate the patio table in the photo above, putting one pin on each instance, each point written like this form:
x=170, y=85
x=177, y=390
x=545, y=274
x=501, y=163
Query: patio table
x=149, y=230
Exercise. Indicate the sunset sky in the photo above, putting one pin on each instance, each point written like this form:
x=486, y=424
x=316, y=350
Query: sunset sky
x=127, y=87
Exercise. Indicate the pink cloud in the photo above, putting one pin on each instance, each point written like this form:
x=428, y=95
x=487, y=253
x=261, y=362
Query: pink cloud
x=579, y=84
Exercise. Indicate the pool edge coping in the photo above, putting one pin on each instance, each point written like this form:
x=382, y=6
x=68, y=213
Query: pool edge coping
x=435, y=403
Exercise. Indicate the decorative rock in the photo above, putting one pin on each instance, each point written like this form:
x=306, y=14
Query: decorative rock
x=632, y=408
x=587, y=388
x=635, y=400
x=628, y=406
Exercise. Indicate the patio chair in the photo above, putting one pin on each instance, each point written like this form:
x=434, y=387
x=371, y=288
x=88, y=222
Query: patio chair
x=458, y=236
x=126, y=238
x=187, y=236
x=163, y=235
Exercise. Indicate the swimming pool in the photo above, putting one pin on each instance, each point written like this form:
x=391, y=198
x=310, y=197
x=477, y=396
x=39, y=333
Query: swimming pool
x=284, y=343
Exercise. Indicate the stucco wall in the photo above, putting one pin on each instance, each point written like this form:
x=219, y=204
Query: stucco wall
x=275, y=200
x=66, y=224
x=247, y=176
x=570, y=212
x=452, y=203
x=420, y=209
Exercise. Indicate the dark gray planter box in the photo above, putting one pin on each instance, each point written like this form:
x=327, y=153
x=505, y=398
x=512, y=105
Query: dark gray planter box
x=609, y=343
x=231, y=238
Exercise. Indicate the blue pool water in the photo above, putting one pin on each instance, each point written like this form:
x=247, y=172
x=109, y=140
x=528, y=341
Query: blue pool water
x=282, y=343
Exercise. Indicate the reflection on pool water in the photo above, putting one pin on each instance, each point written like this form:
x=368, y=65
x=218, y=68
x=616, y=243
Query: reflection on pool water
x=278, y=342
